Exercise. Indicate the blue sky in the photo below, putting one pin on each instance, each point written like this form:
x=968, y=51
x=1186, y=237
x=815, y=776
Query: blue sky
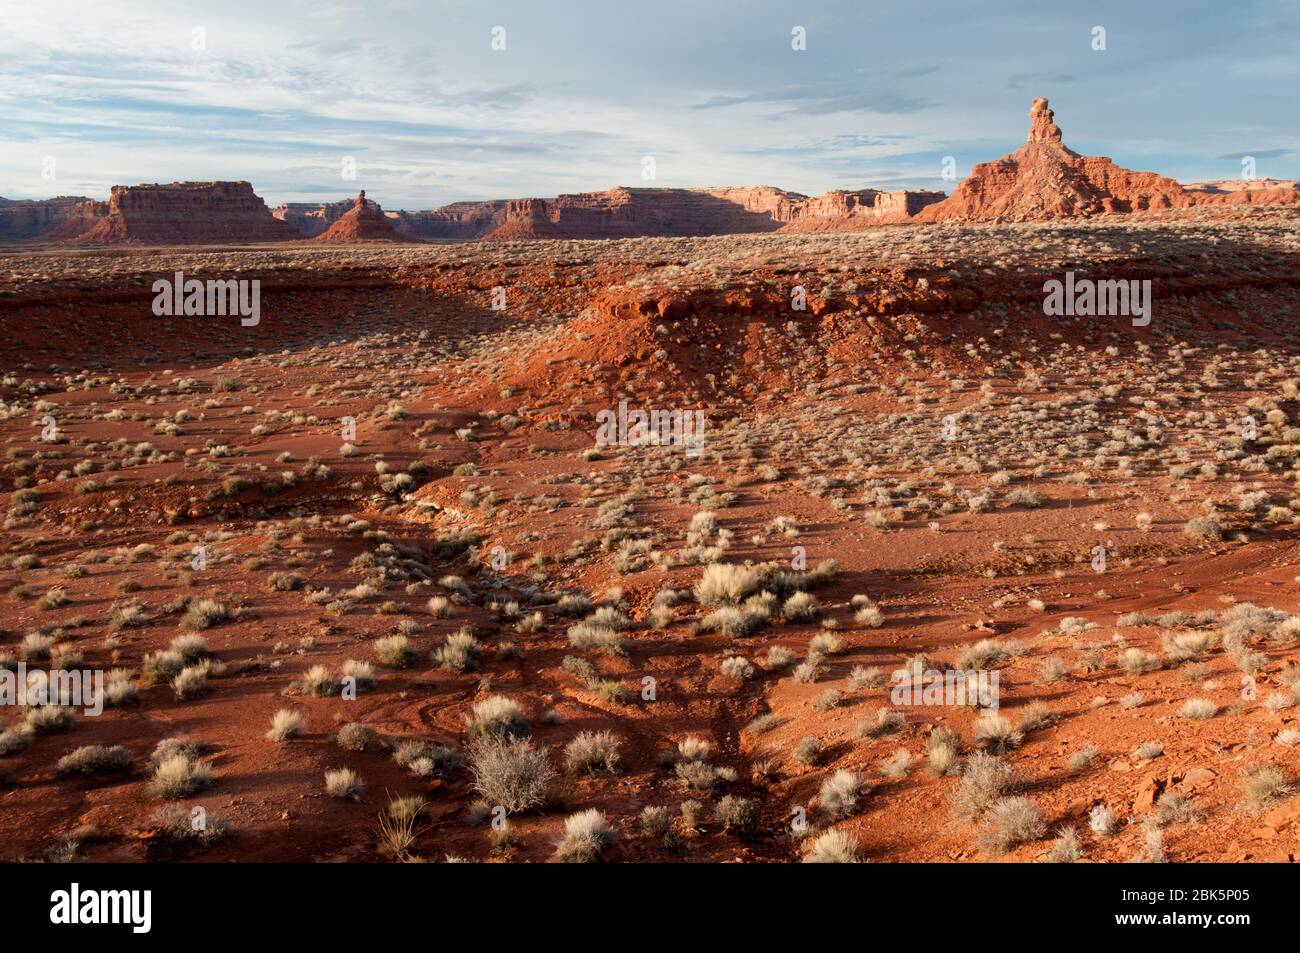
x=281, y=93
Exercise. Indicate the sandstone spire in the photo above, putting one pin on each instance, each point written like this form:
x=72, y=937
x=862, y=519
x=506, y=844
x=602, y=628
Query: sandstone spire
x=1044, y=127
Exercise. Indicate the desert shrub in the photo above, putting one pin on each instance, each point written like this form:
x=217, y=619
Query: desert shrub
x=355, y=737
x=591, y=751
x=736, y=813
x=736, y=667
x=996, y=734
x=800, y=607
x=394, y=651
x=655, y=820
x=863, y=677
x=94, y=759
x=984, y=779
x=179, y=775
x=885, y=722
x=1203, y=527
x=15, y=739
x=497, y=717
x=513, y=775
x=159, y=668
x=459, y=652
x=1199, y=709
x=590, y=637
x=1137, y=662
x=808, y=750
x=838, y=795
x=726, y=584
x=586, y=834
x=943, y=750
x=1011, y=821
x=425, y=759
x=285, y=724
x=49, y=719
x=343, y=783
x=1065, y=849
x=204, y=613
x=833, y=847
x=192, y=682
x=1263, y=785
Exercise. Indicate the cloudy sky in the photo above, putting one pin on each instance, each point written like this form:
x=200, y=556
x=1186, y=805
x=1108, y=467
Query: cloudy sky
x=284, y=92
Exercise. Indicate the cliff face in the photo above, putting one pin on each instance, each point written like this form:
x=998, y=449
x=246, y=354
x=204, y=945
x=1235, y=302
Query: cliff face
x=865, y=208
x=179, y=213
x=634, y=212
x=25, y=218
x=311, y=218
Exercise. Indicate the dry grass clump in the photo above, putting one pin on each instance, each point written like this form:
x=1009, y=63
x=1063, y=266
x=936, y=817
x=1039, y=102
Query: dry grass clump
x=984, y=779
x=724, y=584
x=1198, y=709
x=459, y=652
x=94, y=759
x=513, y=775
x=425, y=759
x=285, y=724
x=204, y=613
x=49, y=719
x=943, y=751
x=1263, y=785
x=394, y=651
x=343, y=783
x=996, y=734
x=838, y=795
x=1137, y=662
x=355, y=737
x=736, y=813
x=833, y=847
x=886, y=721
x=497, y=717
x=179, y=775
x=1011, y=821
x=591, y=751
x=586, y=835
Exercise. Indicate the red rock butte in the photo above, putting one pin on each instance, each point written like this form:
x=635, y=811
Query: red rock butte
x=1044, y=180
x=363, y=222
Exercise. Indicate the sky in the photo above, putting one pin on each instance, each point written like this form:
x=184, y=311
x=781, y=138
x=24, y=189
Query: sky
x=426, y=102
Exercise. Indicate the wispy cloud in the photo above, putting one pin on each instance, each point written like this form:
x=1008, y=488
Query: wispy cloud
x=415, y=93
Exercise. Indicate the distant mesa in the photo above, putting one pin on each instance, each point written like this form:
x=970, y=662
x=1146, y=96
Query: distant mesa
x=180, y=213
x=625, y=212
x=1043, y=180
x=28, y=218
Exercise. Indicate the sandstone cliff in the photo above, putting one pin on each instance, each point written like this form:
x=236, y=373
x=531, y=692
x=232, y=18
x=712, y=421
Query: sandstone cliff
x=25, y=218
x=178, y=213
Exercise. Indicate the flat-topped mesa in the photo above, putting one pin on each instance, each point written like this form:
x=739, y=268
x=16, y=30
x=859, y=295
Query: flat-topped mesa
x=177, y=213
